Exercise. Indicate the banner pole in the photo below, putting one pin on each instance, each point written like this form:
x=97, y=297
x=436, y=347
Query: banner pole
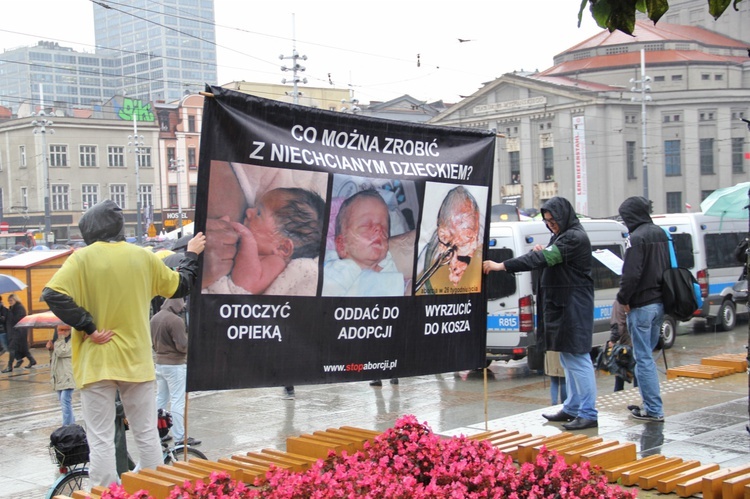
x=185, y=436
x=486, y=412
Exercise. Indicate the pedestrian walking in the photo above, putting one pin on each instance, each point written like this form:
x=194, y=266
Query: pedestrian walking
x=19, y=342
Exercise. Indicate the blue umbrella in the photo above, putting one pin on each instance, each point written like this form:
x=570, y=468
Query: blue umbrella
x=729, y=202
x=8, y=284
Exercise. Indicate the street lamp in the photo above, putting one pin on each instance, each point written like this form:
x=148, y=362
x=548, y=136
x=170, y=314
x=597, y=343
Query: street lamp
x=40, y=128
x=135, y=143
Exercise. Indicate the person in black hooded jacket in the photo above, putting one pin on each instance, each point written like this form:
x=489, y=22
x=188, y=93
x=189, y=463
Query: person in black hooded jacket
x=640, y=292
x=567, y=294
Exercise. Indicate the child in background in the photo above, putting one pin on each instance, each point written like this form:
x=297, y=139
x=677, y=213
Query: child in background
x=61, y=371
x=556, y=373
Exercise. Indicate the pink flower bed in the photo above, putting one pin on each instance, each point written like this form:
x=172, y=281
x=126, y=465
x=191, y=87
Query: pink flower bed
x=410, y=461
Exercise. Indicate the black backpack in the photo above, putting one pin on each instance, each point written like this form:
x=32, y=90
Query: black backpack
x=70, y=445
x=679, y=289
x=678, y=293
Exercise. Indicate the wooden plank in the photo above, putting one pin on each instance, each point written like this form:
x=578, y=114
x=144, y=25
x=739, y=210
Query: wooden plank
x=276, y=460
x=698, y=371
x=516, y=437
x=163, y=475
x=511, y=448
x=372, y=432
x=80, y=494
x=613, y=473
x=355, y=443
x=649, y=481
x=527, y=452
x=133, y=482
x=356, y=436
x=736, y=361
x=250, y=472
x=630, y=478
x=235, y=473
x=734, y=488
x=488, y=435
x=611, y=456
x=187, y=475
x=304, y=460
x=711, y=483
x=312, y=447
x=667, y=485
x=573, y=456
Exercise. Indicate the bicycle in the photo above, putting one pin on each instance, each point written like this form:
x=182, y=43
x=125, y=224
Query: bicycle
x=76, y=476
x=74, y=468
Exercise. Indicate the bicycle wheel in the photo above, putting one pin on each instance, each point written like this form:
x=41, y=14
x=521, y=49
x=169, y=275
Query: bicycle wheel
x=75, y=479
x=177, y=453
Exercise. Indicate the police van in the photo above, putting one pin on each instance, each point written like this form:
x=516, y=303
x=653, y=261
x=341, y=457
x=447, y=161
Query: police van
x=705, y=245
x=511, y=299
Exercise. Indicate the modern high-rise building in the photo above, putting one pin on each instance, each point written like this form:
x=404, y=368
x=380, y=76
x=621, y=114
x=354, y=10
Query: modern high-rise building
x=164, y=49
x=150, y=51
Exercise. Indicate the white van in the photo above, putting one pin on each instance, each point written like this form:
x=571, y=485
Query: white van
x=705, y=245
x=511, y=308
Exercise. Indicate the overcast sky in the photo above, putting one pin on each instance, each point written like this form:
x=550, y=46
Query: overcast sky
x=381, y=49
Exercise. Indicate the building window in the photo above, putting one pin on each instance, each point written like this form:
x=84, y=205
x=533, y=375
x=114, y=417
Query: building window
x=548, y=162
x=659, y=78
x=666, y=118
x=630, y=158
x=89, y=195
x=60, y=200
x=25, y=197
x=707, y=156
x=676, y=77
x=144, y=157
x=705, y=76
x=192, y=159
x=171, y=155
x=173, y=196
x=193, y=195
x=672, y=161
x=116, y=158
x=22, y=156
x=117, y=193
x=718, y=77
x=191, y=123
x=705, y=194
x=674, y=202
x=58, y=156
x=87, y=156
x=515, y=167
x=146, y=195
x=738, y=155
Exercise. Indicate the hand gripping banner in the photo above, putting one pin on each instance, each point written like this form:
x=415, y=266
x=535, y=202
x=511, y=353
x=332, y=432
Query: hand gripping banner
x=339, y=247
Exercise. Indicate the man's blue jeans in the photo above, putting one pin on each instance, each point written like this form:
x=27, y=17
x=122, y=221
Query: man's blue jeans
x=580, y=382
x=644, y=324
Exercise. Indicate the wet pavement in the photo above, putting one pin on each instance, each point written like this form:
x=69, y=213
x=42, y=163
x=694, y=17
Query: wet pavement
x=705, y=419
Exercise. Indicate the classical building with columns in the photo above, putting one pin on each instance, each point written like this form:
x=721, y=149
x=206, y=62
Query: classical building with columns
x=578, y=129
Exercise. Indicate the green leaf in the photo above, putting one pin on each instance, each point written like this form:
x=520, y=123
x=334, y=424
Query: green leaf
x=580, y=11
x=717, y=7
x=656, y=9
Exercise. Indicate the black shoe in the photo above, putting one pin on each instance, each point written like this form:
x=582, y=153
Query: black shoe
x=18, y=363
x=558, y=417
x=640, y=414
x=192, y=441
x=376, y=382
x=8, y=369
x=394, y=381
x=581, y=424
x=30, y=364
x=166, y=438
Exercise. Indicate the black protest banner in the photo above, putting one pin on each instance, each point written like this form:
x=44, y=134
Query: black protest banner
x=339, y=247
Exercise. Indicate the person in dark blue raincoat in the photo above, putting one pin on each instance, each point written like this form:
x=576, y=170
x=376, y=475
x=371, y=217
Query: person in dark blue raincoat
x=567, y=297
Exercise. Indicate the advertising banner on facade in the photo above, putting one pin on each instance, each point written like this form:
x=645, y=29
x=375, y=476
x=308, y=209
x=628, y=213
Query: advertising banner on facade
x=339, y=247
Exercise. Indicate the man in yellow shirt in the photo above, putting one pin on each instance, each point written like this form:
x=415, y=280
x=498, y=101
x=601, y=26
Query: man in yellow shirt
x=104, y=291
